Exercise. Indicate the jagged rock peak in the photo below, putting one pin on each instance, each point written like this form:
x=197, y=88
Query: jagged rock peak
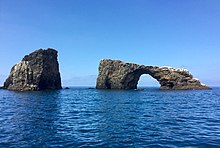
x=115, y=74
x=37, y=71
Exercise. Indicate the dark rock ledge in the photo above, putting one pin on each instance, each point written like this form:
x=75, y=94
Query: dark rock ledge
x=115, y=74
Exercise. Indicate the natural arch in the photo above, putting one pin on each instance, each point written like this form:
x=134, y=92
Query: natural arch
x=115, y=74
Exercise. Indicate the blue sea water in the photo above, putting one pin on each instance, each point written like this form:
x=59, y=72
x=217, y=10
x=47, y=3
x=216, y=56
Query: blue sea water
x=82, y=117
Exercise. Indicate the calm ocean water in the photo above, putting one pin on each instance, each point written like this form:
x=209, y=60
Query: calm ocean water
x=81, y=117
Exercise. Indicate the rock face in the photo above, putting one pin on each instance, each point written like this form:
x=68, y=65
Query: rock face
x=115, y=74
x=37, y=71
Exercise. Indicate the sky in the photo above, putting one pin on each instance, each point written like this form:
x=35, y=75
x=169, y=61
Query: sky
x=176, y=33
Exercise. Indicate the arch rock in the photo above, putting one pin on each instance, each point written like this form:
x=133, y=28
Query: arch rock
x=115, y=74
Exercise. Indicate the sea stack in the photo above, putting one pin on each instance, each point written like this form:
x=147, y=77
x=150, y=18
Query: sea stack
x=37, y=71
x=115, y=74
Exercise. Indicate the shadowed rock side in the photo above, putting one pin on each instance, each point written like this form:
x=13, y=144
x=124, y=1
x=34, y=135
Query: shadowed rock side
x=115, y=74
x=37, y=71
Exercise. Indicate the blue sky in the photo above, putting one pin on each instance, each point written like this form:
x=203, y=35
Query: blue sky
x=152, y=32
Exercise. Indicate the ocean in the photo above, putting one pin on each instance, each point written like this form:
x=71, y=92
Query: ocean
x=82, y=117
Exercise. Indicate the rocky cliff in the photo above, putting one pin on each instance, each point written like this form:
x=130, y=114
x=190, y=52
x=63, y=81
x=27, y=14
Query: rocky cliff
x=115, y=74
x=37, y=71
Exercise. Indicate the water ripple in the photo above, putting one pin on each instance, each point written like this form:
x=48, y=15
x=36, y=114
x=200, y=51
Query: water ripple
x=80, y=117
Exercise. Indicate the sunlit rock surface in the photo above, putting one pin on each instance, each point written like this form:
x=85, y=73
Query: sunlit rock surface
x=115, y=74
x=37, y=71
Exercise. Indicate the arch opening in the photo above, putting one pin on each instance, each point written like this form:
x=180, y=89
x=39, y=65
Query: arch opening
x=146, y=80
x=132, y=79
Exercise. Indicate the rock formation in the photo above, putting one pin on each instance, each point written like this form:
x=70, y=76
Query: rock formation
x=37, y=71
x=115, y=74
